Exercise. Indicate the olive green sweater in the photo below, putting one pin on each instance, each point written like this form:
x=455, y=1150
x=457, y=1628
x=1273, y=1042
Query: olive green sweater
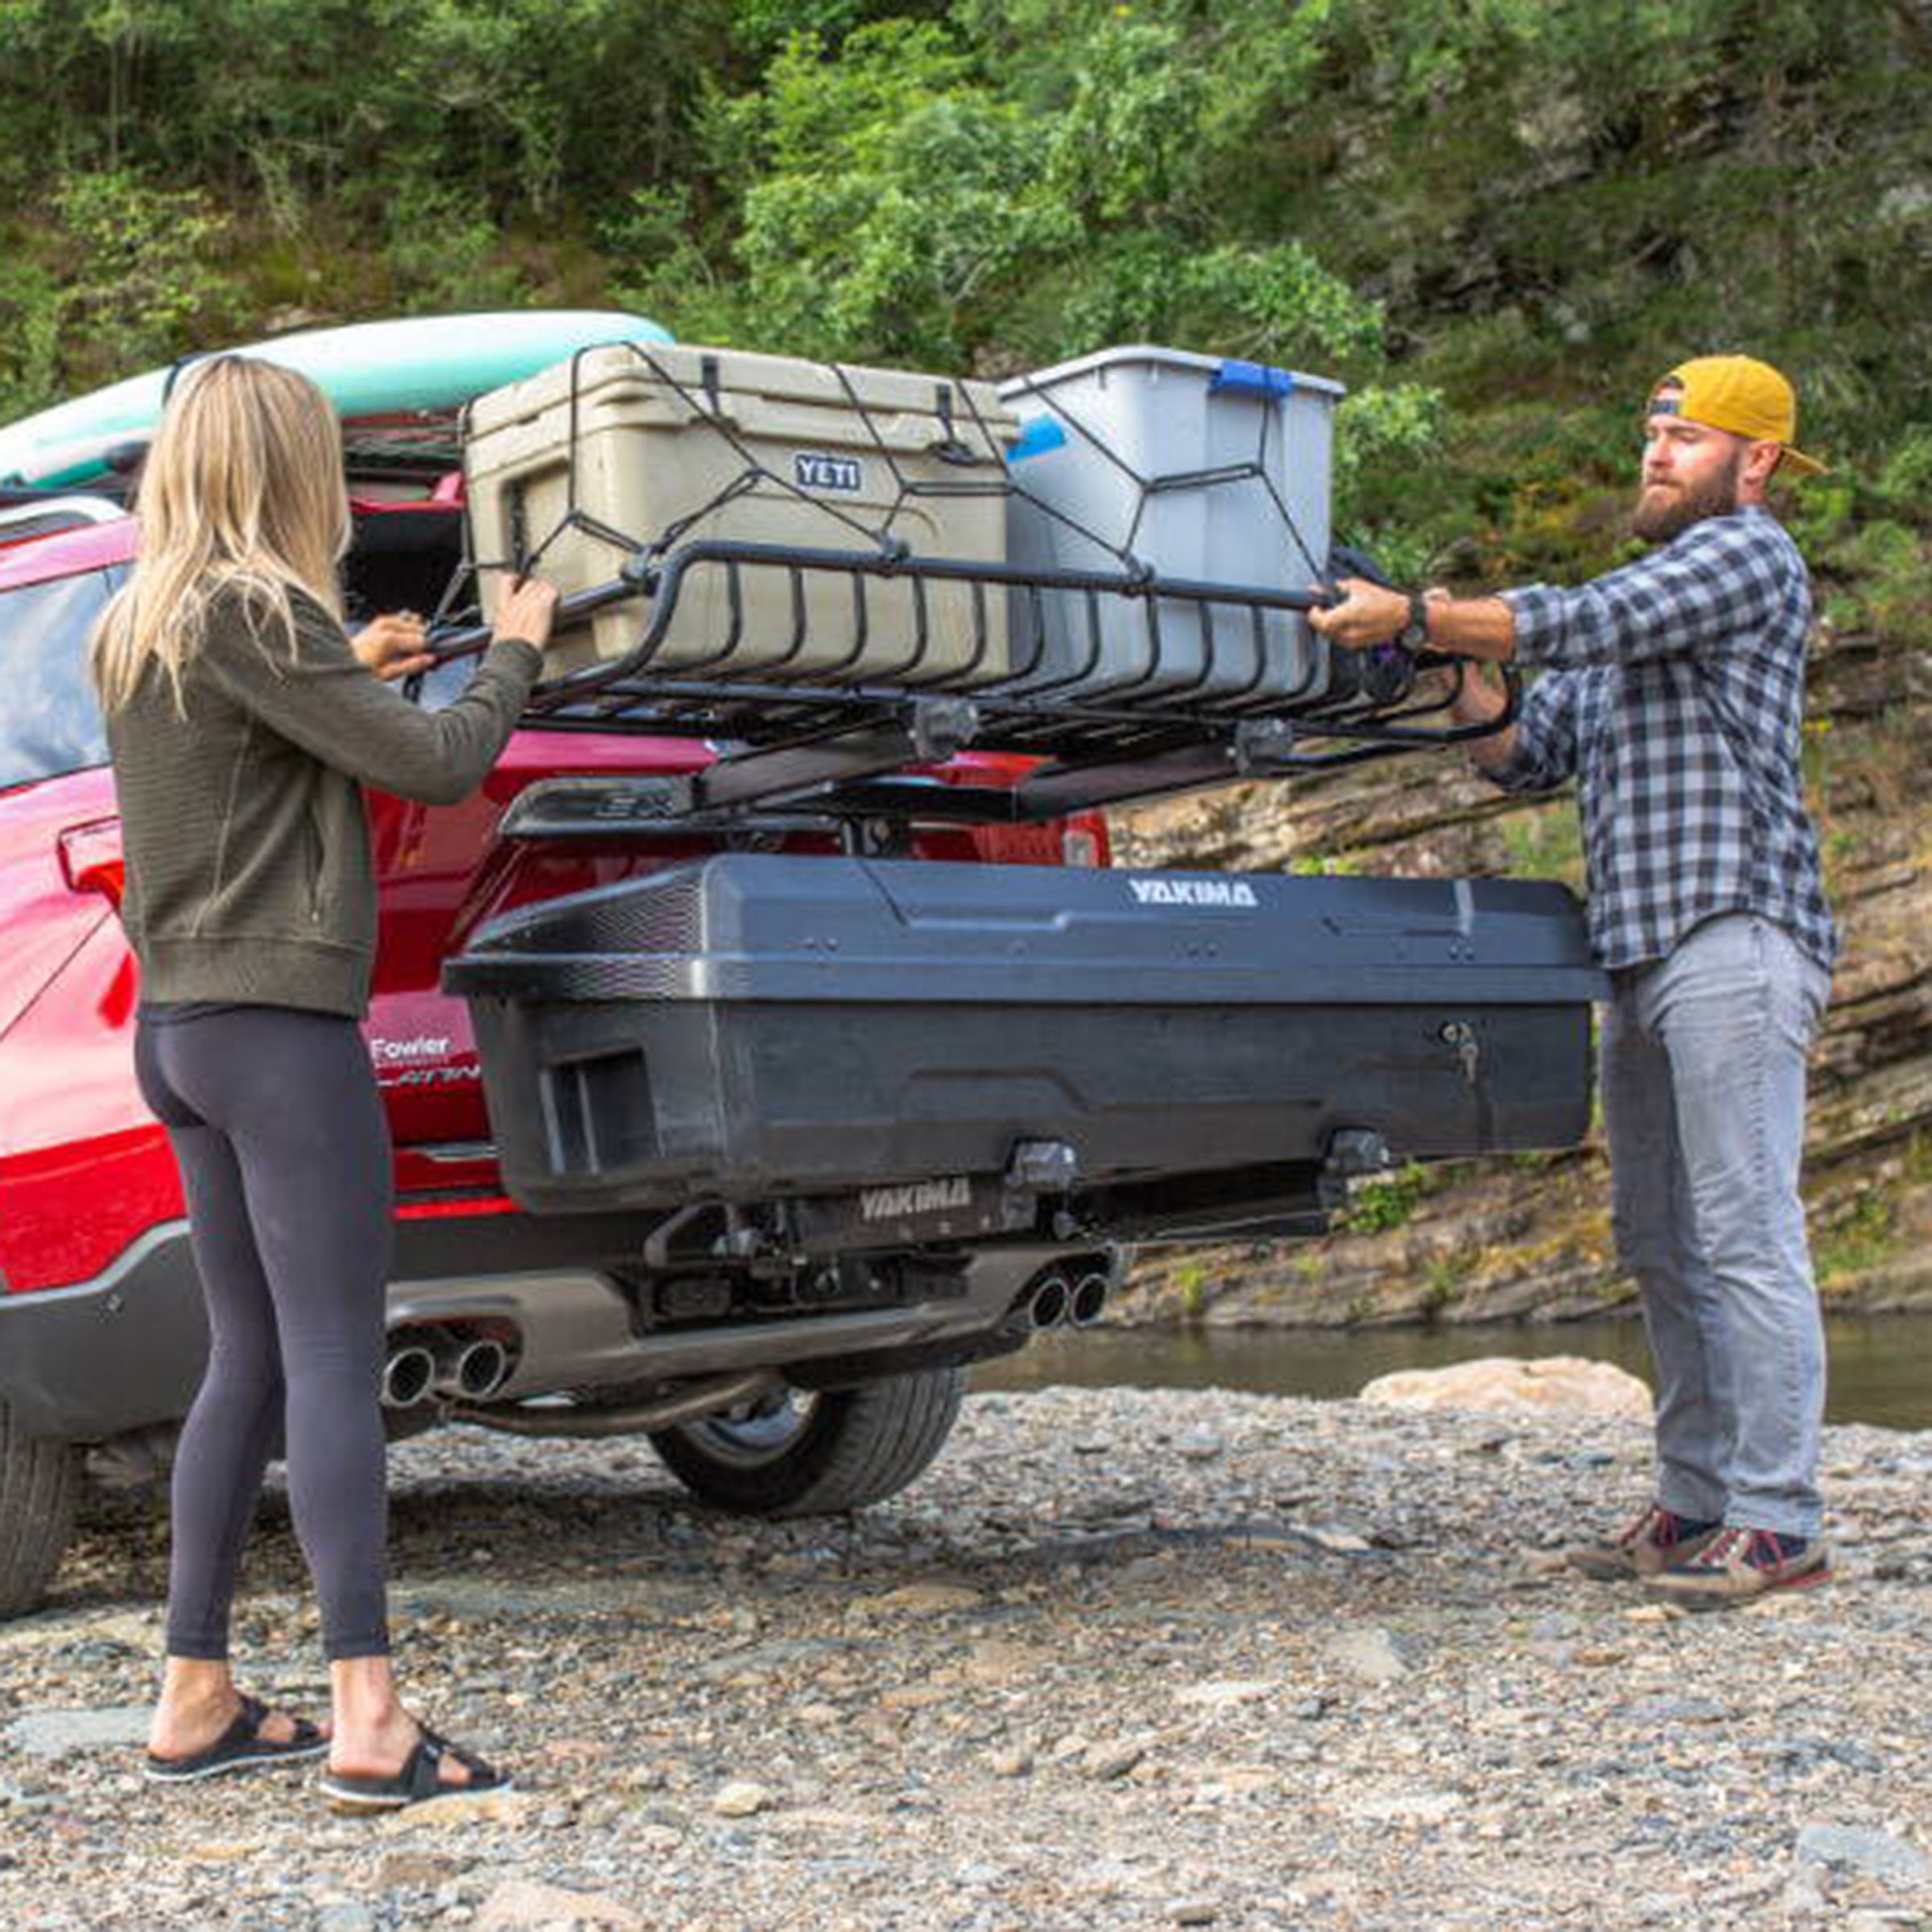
x=248, y=871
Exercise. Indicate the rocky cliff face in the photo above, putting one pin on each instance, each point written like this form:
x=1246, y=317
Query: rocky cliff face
x=1530, y=1236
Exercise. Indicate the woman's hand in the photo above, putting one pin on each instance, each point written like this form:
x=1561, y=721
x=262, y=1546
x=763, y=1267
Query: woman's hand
x=528, y=611
x=393, y=645
x=1367, y=614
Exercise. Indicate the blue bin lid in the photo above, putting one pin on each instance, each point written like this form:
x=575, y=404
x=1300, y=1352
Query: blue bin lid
x=1251, y=378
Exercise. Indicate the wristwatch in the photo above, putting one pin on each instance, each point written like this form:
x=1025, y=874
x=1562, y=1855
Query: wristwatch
x=1414, y=634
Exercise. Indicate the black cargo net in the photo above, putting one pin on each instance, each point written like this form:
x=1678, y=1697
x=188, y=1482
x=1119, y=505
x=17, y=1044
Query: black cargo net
x=830, y=662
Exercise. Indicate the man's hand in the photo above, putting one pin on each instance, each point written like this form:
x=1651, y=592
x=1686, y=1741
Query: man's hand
x=393, y=645
x=1367, y=614
x=1479, y=697
x=1462, y=627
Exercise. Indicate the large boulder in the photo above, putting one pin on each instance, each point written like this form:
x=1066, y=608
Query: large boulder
x=1565, y=1384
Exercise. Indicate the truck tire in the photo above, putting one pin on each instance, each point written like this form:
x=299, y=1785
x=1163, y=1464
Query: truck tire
x=838, y=1450
x=38, y=1481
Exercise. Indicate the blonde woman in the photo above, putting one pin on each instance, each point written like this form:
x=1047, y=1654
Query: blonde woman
x=243, y=725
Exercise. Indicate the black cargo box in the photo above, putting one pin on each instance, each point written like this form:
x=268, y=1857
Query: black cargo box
x=749, y=1026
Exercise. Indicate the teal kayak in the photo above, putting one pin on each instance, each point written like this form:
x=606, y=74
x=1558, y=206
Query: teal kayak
x=422, y=370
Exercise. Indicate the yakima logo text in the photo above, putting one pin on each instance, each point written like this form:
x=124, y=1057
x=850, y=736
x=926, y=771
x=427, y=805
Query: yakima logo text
x=1193, y=892
x=916, y=1197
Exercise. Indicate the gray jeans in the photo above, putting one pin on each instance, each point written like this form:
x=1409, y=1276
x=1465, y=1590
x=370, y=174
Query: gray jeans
x=1703, y=1082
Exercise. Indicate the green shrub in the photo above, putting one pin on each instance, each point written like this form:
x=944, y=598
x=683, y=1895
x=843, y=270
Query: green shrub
x=32, y=309
x=143, y=274
x=1380, y=1206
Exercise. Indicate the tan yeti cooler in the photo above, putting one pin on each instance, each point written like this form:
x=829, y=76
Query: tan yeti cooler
x=656, y=443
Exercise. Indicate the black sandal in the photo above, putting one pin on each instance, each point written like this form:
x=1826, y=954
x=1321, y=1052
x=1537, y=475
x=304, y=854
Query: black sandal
x=241, y=1747
x=419, y=1779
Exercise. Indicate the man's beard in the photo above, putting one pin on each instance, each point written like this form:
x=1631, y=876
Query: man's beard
x=1677, y=506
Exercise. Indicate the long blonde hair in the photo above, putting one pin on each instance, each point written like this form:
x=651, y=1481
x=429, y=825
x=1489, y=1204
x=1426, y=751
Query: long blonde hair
x=242, y=489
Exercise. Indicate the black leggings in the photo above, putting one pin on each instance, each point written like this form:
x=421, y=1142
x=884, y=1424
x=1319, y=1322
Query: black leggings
x=284, y=1149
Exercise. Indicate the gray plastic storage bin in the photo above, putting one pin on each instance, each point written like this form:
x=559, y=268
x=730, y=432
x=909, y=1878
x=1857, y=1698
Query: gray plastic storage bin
x=1198, y=468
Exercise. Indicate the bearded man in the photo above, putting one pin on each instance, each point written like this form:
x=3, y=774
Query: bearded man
x=1672, y=692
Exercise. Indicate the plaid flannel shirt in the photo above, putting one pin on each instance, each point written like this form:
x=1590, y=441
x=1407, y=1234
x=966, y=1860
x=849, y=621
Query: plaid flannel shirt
x=1673, y=692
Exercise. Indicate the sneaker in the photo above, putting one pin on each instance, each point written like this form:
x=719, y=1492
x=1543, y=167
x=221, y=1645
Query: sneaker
x=1656, y=1540
x=1739, y=1565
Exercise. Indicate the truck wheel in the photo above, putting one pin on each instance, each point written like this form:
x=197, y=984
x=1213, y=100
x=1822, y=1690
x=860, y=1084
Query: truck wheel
x=39, y=1480
x=813, y=1456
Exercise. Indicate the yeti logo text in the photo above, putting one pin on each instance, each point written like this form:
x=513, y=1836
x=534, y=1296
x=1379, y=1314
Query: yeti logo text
x=1193, y=892
x=812, y=471
x=917, y=1197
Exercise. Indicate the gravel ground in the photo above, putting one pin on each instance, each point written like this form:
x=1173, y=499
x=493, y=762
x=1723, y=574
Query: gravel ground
x=1122, y=1659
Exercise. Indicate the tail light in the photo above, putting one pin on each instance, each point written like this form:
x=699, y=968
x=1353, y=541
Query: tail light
x=91, y=859
x=1084, y=840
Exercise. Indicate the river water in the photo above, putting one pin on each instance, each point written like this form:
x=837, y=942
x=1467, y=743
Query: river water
x=1881, y=1364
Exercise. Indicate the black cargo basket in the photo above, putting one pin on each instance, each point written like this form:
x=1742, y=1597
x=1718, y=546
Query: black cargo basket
x=752, y=1027
x=835, y=739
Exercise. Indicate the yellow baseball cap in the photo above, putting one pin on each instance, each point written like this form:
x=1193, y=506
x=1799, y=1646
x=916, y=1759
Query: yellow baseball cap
x=1741, y=394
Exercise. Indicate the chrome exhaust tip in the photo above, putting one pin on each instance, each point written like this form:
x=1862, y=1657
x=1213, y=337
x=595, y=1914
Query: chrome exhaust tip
x=472, y=1371
x=1088, y=1301
x=1048, y=1305
x=406, y=1375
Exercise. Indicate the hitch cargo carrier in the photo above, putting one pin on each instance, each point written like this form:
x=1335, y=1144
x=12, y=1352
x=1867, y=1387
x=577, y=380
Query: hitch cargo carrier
x=749, y=1028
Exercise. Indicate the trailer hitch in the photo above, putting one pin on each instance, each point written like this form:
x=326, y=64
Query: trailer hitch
x=1354, y=1153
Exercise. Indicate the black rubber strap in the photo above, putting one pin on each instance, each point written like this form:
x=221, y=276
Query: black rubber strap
x=427, y=1758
